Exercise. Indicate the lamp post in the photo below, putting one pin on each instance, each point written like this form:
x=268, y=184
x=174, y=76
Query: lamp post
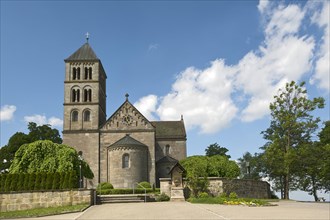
x=80, y=176
x=248, y=168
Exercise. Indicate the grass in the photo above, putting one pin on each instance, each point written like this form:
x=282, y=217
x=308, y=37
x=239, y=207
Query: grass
x=43, y=211
x=230, y=201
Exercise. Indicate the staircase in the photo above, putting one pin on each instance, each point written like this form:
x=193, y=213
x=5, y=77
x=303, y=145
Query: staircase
x=122, y=198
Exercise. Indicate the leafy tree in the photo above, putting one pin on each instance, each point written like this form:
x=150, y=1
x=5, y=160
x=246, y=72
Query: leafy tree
x=198, y=168
x=250, y=166
x=56, y=181
x=43, y=132
x=46, y=156
x=216, y=149
x=314, y=165
x=292, y=126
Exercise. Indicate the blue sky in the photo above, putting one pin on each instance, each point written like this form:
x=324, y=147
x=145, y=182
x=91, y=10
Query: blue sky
x=217, y=63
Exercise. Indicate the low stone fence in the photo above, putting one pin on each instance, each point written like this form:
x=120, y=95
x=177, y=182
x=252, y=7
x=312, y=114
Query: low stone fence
x=242, y=187
x=13, y=201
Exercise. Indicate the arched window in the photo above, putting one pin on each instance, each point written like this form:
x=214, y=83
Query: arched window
x=167, y=149
x=75, y=95
x=86, y=73
x=74, y=73
x=74, y=115
x=78, y=73
x=87, y=95
x=87, y=115
x=125, y=161
x=90, y=72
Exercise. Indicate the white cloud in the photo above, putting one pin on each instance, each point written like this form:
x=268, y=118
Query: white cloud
x=153, y=46
x=263, y=4
x=41, y=120
x=7, y=112
x=322, y=72
x=204, y=96
x=147, y=106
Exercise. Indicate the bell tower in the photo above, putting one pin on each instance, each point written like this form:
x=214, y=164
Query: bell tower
x=84, y=91
x=85, y=106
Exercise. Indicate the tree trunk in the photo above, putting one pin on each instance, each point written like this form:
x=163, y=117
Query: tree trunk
x=286, y=187
x=314, y=190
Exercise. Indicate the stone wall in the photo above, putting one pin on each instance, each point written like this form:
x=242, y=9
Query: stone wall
x=13, y=201
x=243, y=188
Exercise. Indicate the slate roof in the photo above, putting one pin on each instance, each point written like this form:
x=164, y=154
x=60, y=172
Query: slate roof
x=127, y=141
x=167, y=159
x=84, y=53
x=169, y=129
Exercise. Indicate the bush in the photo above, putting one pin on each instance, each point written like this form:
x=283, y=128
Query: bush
x=162, y=197
x=104, y=185
x=233, y=195
x=223, y=195
x=203, y=195
x=126, y=191
x=144, y=184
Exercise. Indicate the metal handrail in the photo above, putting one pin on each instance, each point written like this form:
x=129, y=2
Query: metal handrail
x=145, y=191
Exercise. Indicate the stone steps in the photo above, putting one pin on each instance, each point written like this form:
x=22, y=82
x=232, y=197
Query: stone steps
x=122, y=198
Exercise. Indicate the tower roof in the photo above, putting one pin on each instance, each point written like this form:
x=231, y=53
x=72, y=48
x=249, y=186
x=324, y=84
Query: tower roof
x=84, y=53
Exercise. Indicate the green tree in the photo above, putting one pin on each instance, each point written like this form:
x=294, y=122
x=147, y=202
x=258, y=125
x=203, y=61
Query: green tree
x=198, y=168
x=292, y=126
x=250, y=166
x=46, y=156
x=42, y=132
x=216, y=149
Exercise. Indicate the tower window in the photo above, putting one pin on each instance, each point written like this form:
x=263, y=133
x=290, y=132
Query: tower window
x=87, y=115
x=74, y=116
x=78, y=73
x=87, y=95
x=125, y=161
x=75, y=95
x=167, y=149
x=88, y=73
x=74, y=73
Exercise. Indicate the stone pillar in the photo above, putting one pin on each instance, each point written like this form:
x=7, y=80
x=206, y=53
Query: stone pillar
x=177, y=183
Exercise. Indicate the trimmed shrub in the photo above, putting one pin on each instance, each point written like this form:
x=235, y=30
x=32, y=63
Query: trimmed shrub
x=233, y=195
x=162, y=197
x=13, y=184
x=26, y=181
x=7, y=183
x=104, y=186
x=32, y=181
x=203, y=195
x=43, y=183
x=126, y=191
x=56, y=181
x=49, y=180
x=144, y=184
x=37, y=181
x=20, y=182
x=2, y=176
x=73, y=180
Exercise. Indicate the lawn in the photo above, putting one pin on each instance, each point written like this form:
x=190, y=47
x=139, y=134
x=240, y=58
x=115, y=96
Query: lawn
x=43, y=211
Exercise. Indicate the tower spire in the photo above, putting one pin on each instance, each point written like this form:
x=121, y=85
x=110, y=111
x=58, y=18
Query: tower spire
x=87, y=37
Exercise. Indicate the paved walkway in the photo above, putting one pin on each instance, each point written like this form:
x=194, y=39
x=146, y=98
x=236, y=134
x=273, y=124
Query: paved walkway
x=184, y=210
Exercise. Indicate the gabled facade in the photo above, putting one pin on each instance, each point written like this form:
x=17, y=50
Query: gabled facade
x=127, y=147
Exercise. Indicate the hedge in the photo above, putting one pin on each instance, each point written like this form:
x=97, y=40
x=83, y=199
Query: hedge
x=126, y=191
x=38, y=181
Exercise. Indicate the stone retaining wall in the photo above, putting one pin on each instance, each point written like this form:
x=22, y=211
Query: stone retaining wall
x=13, y=201
x=242, y=187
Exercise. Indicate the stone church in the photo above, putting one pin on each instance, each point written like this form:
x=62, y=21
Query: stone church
x=126, y=147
